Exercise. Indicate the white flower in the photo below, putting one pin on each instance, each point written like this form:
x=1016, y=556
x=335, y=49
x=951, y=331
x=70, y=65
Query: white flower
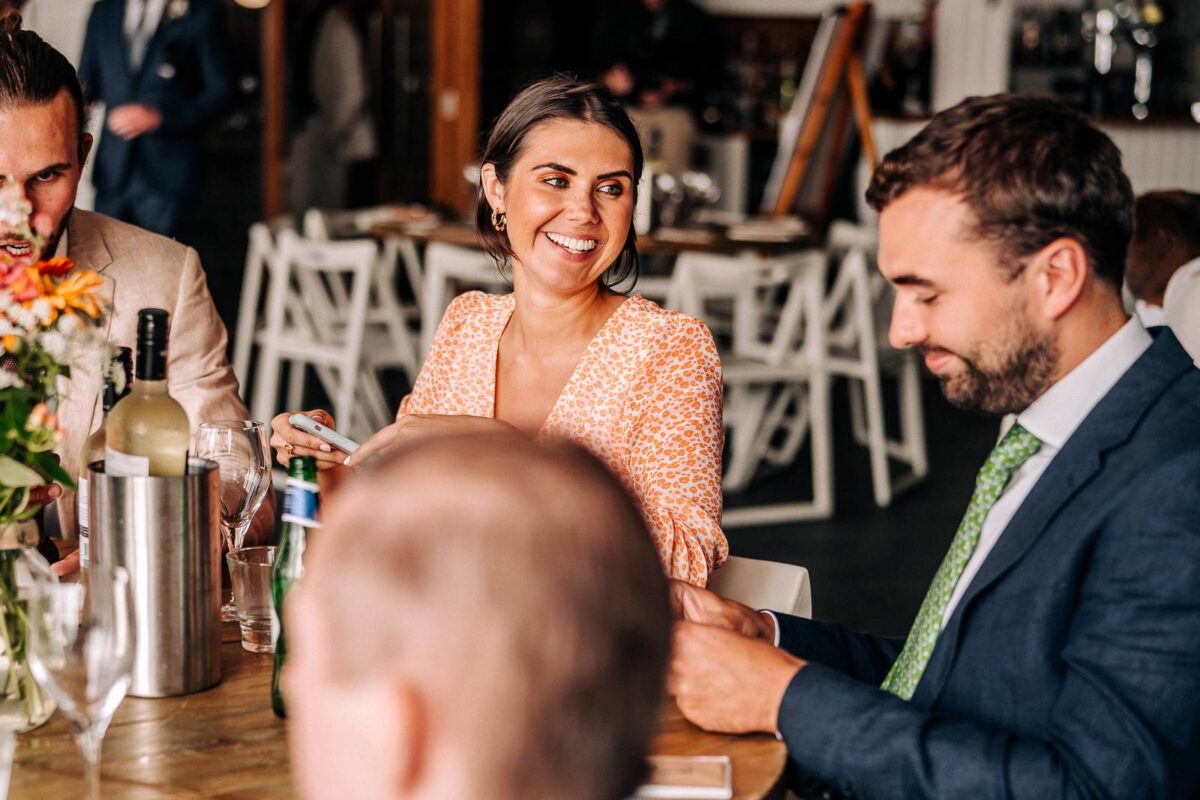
x=68, y=323
x=55, y=345
x=22, y=316
x=42, y=310
x=8, y=379
x=5, y=301
x=6, y=327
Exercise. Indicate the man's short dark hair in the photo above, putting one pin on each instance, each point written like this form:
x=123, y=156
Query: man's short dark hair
x=32, y=72
x=1031, y=171
x=1166, y=235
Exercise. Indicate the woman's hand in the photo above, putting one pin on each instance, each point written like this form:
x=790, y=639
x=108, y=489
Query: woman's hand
x=289, y=441
x=414, y=426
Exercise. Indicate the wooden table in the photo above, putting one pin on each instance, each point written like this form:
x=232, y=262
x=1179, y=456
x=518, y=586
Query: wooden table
x=464, y=235
x=226, y=743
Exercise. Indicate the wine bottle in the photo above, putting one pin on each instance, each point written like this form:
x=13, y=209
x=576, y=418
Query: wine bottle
x=117, y=382
x=148, y=431
x=300, y=506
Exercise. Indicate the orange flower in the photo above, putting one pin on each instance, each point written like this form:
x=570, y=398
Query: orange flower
x=56, y=267
x=25, y=284
x=10, y=342
x=77, y=292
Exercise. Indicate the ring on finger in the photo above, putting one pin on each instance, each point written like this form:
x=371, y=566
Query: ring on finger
x=291, y=448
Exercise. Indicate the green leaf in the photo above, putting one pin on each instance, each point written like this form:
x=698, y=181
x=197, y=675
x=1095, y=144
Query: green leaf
x=14, y=473
x=48, y=465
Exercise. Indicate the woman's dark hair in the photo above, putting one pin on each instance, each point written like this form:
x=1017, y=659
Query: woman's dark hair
x=32, y=72
x=555, y=98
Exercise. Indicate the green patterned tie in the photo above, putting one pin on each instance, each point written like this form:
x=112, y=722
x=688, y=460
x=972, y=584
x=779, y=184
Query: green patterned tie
x=1008, y=456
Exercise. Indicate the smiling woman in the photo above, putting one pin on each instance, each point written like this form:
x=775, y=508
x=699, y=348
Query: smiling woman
x=563, y=355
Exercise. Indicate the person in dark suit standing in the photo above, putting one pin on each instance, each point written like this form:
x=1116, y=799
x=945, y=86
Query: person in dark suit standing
x=159, y=67
x=1057, y=652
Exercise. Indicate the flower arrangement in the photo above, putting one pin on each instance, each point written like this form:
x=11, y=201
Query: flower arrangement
x=50, y=315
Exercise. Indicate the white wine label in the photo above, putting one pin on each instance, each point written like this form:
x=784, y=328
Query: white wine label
x=123, y=465
x=82, y=521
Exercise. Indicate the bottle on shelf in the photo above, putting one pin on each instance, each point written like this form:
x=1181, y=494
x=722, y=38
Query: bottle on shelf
x=148, y=431
x=118, y=380
x=643, y=209
x=299, y=515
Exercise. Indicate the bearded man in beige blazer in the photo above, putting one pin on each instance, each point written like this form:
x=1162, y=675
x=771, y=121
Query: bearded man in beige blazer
x=43, y=147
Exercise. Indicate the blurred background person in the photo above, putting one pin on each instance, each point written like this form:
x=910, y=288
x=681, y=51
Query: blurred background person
x=159, y=67
x=652, y=57
x=1162, y=270
x=512, y=647
x=334, y=142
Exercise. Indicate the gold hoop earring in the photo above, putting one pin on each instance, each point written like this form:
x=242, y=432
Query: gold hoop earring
x=499, y=220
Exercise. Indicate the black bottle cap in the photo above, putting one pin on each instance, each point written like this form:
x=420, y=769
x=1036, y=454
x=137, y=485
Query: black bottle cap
x=152, y=344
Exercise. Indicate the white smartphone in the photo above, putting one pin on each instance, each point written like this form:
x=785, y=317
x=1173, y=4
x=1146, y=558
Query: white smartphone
x=325, y=434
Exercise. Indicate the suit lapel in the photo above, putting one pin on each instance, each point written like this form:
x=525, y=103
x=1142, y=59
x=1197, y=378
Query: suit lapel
x=1111, y=423
x=87, y=248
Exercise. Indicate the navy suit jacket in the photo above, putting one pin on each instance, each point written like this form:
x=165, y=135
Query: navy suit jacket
x=1071, y=667
x=184, y=75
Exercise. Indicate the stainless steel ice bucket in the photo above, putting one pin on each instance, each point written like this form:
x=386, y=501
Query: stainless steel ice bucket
x=166, y=533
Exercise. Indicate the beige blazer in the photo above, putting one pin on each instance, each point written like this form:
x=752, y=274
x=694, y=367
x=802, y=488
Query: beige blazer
x=141, y=270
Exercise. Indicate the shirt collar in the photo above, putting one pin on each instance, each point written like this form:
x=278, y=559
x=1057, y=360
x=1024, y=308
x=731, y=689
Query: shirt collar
x=1054, y=416
x=61, y=250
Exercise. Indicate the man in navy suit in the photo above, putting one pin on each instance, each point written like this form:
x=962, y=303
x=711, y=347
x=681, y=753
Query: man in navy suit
x=160, y=69
x=1057, y=653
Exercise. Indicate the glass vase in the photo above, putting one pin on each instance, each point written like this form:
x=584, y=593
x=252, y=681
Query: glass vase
x=23, y=704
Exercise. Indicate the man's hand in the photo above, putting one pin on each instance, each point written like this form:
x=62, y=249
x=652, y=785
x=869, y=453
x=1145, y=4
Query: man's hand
x=414, y=426
x=726, y=682
x=66, y=566
x=133, y=120
x=701, y=606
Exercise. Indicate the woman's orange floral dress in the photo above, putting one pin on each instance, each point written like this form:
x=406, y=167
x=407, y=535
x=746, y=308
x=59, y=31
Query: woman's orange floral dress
x=645, y=398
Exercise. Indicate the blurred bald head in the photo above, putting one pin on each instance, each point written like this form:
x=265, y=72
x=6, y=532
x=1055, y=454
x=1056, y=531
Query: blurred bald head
x=498, y=608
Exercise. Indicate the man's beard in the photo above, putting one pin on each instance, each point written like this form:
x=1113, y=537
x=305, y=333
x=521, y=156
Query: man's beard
x=52, y=242
x=1023, y=373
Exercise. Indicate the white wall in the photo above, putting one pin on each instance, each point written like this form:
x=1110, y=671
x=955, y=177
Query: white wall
x=60, y=22
x=63, y=23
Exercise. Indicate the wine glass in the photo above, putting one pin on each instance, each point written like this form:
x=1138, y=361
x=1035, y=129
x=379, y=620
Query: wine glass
x=239, y=446
x=81, y=651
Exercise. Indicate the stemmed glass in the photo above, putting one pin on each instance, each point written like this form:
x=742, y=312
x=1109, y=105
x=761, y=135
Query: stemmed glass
x=81, y=652
x=240, y=447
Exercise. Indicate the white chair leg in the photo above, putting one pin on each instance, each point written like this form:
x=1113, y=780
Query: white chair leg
x=877, y=445
x=295, y=389
x=912, y=418
x=744, y=413
x=858, y=414
x=248, y=306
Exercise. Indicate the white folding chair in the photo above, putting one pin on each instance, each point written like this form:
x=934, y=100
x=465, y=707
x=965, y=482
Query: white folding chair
x=259, y=254
x=764, y=584
x=447, y=267
x=776, y=386
x=855, y=311
x=302, y=326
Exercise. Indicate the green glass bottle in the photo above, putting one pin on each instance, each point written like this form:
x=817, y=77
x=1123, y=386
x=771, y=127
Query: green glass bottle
x=299, y=514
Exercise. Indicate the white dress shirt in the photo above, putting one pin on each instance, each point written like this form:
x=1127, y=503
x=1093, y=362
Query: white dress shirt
x=1052, y=418
x=141, y=21
x=1181, y=307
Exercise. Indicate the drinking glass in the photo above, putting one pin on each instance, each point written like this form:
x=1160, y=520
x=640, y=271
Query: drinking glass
x=239, y=446
x=81, y=652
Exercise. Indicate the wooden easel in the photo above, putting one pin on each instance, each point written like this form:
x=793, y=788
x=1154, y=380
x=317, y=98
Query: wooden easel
x=843, y=67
